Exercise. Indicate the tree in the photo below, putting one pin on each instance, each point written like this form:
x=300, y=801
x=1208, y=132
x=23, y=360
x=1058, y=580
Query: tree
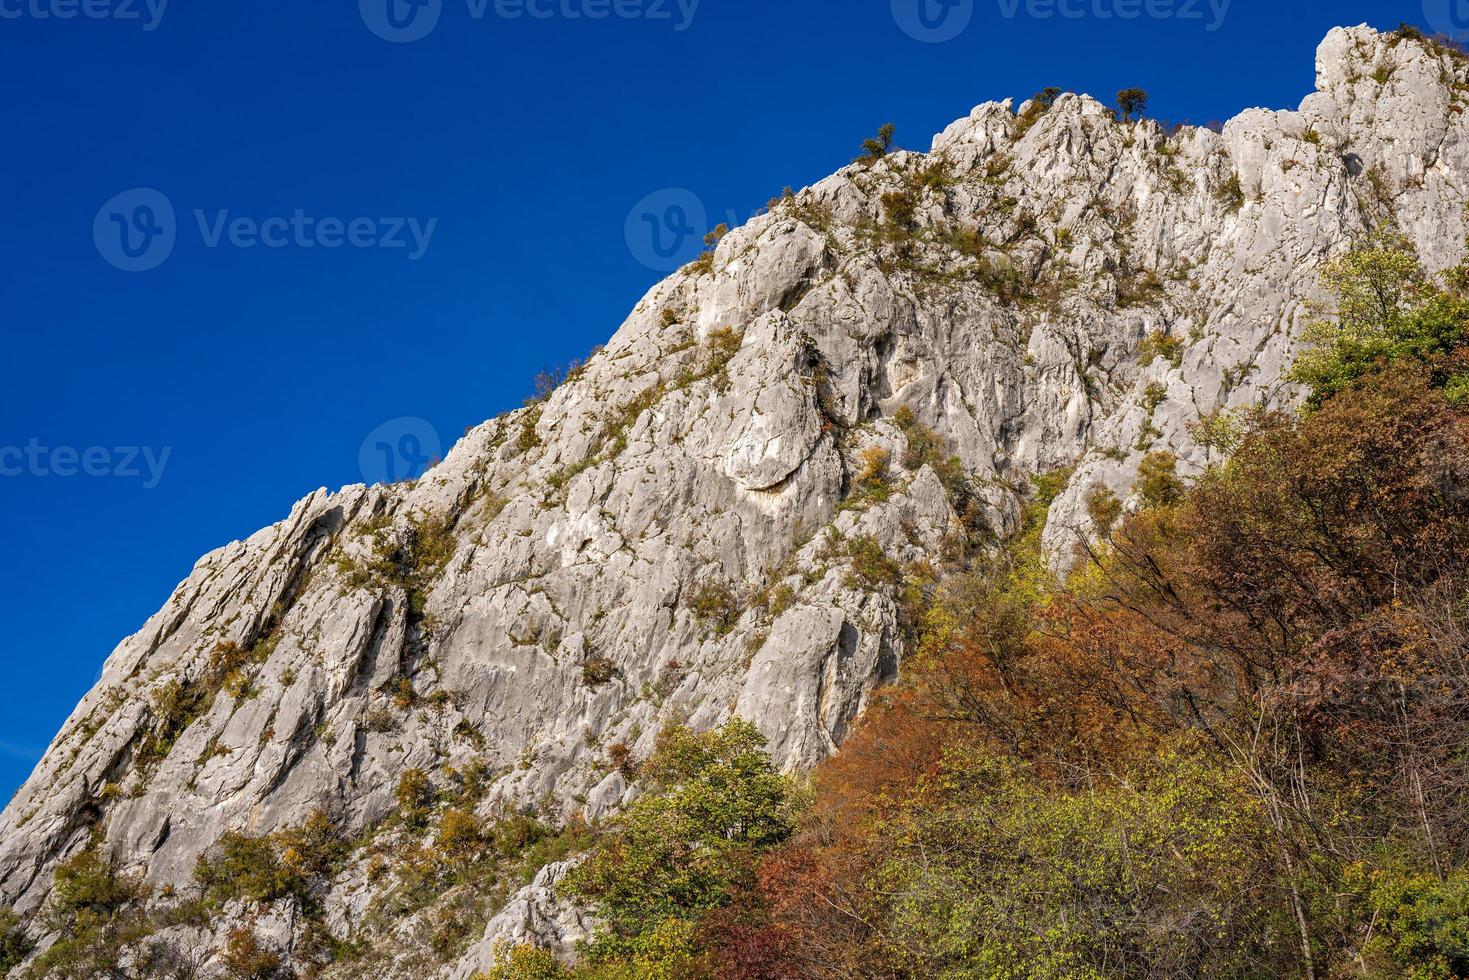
x=1132, y=103
x=15, y=946
x=96, y=913
x=875, y=148
x=1157, y=479
x=523, y=963
x=245, y=958
x=992, y=868
x=714, y=803
x=1387, y=309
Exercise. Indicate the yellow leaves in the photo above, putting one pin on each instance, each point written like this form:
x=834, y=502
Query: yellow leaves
x=523, y=962
x=460, y=840
x=874, y=465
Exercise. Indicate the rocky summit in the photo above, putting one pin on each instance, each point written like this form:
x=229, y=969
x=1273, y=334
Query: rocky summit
x=689, y=528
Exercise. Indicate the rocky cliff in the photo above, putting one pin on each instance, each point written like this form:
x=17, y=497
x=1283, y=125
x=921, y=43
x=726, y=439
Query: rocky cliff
x=715, y=514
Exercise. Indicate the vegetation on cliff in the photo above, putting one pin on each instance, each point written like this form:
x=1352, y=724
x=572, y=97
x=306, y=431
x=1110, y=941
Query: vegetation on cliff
x=1232, y=743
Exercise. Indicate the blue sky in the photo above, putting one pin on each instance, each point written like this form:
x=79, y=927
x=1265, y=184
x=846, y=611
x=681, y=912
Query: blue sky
x=386, y=214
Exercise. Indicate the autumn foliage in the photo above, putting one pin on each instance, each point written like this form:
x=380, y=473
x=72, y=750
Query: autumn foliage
x=1236, y=743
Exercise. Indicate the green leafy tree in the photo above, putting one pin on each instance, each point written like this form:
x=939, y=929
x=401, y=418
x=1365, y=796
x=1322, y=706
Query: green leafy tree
x=991, y=872
x=523, y=962
x=1423, y=922
x=1387, y=308
x=714, y=803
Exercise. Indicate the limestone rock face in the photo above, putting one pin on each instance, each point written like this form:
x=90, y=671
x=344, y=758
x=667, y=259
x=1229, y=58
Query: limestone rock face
x=680, y=533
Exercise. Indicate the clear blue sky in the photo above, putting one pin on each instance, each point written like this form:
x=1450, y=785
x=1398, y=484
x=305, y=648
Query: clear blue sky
x=261, y=370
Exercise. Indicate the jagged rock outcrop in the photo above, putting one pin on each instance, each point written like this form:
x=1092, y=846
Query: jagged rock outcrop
x=688, y=529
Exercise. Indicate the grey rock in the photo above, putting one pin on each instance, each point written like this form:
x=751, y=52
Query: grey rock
x=586, y=526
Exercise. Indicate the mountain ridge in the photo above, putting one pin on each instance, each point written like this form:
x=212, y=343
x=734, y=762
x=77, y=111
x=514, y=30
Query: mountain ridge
x=715, y=514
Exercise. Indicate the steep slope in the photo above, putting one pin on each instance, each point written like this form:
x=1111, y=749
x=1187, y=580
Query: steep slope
x=713, y=516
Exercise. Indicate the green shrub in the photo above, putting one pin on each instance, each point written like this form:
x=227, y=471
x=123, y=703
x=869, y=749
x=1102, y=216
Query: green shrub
x=313, y=850
x=1040, y=104
x=1456, y=390
x=1103, y=507
x=528, y=437
x=1231, y=194
x=14, y=945
x=871, y=566
x=243, y=867
x=1158, y=481
x=1422, y=922
x=782, y=598
x=411, y=557
x=925, y=447
x=88, y=883
x=1162, y=344
x=714, y=802
x=716, y=606
x=1387, y=309
x=523, y=963
x=98, y=914
x=900, y=217
x=993, y=873
x=704, y=264
x=177, y=704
